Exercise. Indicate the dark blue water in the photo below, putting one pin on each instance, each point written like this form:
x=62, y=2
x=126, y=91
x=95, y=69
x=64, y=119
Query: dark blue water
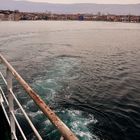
x=87, y=72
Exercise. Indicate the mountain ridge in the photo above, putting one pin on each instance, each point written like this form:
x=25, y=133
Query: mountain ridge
x=26, y=6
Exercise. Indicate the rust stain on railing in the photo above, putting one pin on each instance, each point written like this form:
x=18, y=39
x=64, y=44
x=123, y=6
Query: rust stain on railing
x=64, y=130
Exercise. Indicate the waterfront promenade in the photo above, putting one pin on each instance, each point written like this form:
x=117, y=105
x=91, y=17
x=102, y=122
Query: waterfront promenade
x=7, y=15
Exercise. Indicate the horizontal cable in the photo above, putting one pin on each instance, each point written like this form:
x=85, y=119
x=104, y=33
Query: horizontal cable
x=5, y=113
x=4, y=96
x=3, y=78
x=26, y=116
x=18, y=125
x=61, y=126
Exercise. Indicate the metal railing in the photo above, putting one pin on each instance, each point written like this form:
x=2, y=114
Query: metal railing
x=11, y=73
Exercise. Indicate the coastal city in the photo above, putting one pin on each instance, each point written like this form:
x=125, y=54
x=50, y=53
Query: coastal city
x=8, y=15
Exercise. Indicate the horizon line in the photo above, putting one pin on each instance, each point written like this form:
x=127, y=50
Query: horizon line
x=76, y=3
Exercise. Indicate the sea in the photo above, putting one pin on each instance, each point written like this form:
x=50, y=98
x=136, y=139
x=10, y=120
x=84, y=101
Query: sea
x=87, y=72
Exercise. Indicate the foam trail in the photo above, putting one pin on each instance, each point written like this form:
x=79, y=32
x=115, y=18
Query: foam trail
x=48, y=88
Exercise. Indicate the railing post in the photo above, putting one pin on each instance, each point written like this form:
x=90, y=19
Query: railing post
x=11, y=103
x=66, y=133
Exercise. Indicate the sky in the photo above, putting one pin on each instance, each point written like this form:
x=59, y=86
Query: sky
x=90, y=1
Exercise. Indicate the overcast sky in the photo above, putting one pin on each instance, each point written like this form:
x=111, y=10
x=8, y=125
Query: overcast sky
x=90, y=1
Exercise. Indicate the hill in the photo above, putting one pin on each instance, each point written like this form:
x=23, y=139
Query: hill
x=70, y=8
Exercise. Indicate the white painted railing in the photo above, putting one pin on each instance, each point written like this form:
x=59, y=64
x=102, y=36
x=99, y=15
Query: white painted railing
x=11, y=73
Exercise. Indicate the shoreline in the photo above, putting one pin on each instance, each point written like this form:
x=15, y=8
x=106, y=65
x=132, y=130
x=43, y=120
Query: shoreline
x=7, y=15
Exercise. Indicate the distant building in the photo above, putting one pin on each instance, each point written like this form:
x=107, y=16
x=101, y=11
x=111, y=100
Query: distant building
x=16, y=16
x=81, y=17
x=1, y=16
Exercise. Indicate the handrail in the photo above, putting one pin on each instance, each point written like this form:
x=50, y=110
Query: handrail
x=63, y=129
x=27, y=118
